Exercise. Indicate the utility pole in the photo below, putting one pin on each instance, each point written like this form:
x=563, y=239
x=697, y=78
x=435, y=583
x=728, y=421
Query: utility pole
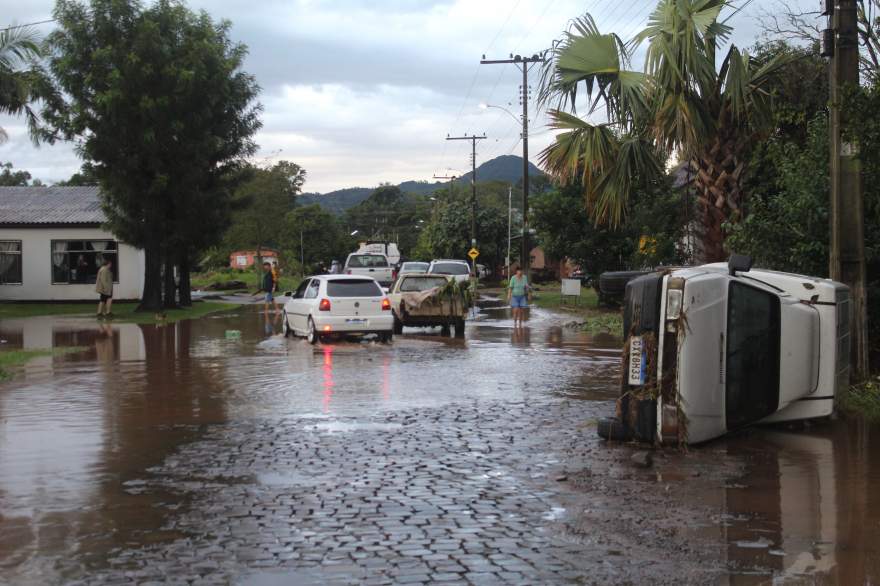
x=473, y=138
x=509, y=222
x=524, y=64
x=847, y=257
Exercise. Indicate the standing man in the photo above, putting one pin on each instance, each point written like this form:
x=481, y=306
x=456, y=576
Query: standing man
x=104, y=288
x=517, y=295
x=268, y=285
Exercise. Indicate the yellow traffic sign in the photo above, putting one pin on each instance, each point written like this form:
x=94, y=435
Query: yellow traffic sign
x=473, y=253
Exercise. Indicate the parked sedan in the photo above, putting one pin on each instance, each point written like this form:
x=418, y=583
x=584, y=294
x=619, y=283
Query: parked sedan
x=328, y=305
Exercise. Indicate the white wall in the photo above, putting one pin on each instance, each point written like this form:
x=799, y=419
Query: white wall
x=36, y=277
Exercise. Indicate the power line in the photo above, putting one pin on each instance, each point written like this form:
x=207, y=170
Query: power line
x=27, y=24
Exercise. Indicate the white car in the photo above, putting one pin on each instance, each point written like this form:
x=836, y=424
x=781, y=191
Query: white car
x=459, y=269
x=327, y=305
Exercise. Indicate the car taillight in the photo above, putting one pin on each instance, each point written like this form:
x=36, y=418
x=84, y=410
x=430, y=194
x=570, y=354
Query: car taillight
x=324, y=305
x=348, y=272
x=386, y=305
x=393, y=275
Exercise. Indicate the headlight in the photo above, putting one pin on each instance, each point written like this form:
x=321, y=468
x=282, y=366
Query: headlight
x=674, y=298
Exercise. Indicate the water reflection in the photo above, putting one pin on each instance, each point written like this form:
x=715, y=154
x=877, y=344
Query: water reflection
x=808, y=507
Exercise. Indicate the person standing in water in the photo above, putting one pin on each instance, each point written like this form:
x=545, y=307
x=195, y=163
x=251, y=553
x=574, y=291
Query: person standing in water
x=517, y=295
x=104, y=288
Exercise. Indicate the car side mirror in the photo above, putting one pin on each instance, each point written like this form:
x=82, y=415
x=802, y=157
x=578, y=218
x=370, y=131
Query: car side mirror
x=739, y=263
x=288, y=293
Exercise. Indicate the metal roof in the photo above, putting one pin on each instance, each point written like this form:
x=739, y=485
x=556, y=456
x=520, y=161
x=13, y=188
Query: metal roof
x=50, y=205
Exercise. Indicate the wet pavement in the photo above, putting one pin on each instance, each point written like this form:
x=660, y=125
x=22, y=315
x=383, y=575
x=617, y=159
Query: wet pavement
x=189, y=453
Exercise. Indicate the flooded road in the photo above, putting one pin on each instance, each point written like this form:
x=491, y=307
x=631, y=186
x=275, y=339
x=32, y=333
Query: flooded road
x=216, y=450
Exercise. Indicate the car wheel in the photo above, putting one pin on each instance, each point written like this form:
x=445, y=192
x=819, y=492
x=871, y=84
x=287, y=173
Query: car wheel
x=386, y=337
x=444, y=330
x=285, y=326
x=312, y=335
x=398, y=326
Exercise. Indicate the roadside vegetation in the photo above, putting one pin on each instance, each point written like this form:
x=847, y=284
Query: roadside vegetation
x=12, y=358
x=863, y=400
x=224, y=277
x=122, y=312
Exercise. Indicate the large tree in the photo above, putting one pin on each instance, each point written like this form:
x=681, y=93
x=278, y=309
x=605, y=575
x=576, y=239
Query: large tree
x=161, y=111
x=682, y=102
x=22, y=81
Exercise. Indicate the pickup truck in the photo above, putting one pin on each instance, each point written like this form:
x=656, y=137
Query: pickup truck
x=370, y=265
x=714, y=348
x=423, y=300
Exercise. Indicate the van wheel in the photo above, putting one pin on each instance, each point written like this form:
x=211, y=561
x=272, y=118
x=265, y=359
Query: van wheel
x=312, y=335
x=285, y=326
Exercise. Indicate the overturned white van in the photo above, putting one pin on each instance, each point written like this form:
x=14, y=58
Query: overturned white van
x=714, y=348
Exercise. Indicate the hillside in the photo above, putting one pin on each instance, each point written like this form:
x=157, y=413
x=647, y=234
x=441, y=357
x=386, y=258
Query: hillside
x=504, y=168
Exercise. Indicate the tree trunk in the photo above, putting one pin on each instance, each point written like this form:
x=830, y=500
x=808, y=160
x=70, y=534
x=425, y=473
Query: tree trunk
x=184, y=288
x=170, y=286
x=719, y=193
x=151, y=300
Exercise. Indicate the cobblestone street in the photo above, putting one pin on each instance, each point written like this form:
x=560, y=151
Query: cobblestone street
x=262, y=461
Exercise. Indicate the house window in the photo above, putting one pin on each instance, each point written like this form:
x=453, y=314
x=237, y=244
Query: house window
x=77, y=261
x=10, y=262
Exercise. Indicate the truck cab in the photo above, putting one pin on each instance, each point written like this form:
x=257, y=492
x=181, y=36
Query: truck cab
x=715, y=348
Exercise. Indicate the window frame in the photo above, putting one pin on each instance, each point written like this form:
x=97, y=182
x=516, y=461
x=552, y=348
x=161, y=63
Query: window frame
x=52, y=252
x=21, y=261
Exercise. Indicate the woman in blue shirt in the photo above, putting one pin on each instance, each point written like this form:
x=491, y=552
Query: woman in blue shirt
x=517, y=294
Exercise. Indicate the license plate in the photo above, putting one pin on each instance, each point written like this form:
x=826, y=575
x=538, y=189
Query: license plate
x=355, y=321
x=636, y=361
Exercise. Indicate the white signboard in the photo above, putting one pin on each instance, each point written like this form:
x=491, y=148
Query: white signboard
x=571, y=287
x=241, y=261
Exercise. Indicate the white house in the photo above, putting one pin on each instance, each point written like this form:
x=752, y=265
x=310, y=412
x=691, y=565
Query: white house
x=52, y=243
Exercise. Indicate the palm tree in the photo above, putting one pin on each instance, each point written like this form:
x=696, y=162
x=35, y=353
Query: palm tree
x=679, y=104
x=21, y=80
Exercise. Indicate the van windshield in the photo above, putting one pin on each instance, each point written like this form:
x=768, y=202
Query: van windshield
x=367, y=261
x=752, y=360
x=353, y=288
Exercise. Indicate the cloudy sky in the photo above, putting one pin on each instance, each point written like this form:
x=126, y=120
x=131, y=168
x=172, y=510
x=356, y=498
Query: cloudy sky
x=362, y=92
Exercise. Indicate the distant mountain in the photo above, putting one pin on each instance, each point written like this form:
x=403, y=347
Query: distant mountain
x=504, y=168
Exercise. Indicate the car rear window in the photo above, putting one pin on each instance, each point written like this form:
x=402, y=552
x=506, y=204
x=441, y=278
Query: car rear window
x=367, y=261
x=411, y=284
x=450, y=268
x=353, y=288
x=414, y=266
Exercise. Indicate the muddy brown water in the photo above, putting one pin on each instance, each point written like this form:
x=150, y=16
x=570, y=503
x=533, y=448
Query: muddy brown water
x=75, y=429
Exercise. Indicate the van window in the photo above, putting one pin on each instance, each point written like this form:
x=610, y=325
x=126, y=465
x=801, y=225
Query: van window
x=752, y=356
x=353, y=288
x=367, y=261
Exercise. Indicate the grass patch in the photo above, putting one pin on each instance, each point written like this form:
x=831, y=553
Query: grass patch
x=863, y=400
x=13, y=358
x=611, y=323
x=122, y=312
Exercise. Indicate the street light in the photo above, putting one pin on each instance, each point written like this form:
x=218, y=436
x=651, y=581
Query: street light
x=485, y=106
x=353, y=233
